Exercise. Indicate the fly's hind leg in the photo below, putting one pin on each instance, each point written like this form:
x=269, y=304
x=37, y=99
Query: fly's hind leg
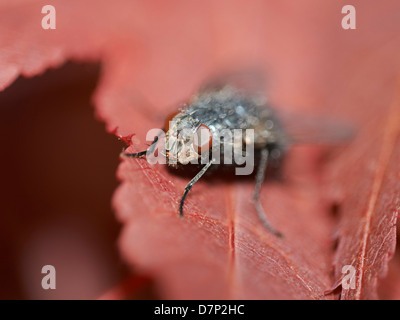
x=260, y=176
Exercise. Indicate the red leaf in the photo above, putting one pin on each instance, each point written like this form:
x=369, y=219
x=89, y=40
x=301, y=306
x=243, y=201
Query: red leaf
x=367, y=232
x=155, y=54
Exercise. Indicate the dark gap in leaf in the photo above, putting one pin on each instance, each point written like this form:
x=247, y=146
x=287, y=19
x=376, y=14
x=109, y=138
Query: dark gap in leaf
x=58, y=169
x=335, y=244
x=335, y=210
x=336, y=290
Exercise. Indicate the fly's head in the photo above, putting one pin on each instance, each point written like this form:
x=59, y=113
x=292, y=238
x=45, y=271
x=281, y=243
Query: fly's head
x=187, y=139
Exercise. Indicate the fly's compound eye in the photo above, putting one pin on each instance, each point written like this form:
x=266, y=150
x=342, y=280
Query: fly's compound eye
x=169, y=119
x=202, y=140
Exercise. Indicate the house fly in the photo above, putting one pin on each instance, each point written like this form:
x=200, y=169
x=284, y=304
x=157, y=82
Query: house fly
x=233, y=102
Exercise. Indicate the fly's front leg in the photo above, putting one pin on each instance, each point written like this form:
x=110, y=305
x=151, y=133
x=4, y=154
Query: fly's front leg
x=143, y=153
x=191, y=183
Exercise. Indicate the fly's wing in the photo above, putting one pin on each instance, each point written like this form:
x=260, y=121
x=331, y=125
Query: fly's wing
x=296, y=128
x=311, y=129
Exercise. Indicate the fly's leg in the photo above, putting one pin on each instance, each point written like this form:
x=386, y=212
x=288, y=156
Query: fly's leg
x=260, y=176
x=191, y=183
x=143, y=153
